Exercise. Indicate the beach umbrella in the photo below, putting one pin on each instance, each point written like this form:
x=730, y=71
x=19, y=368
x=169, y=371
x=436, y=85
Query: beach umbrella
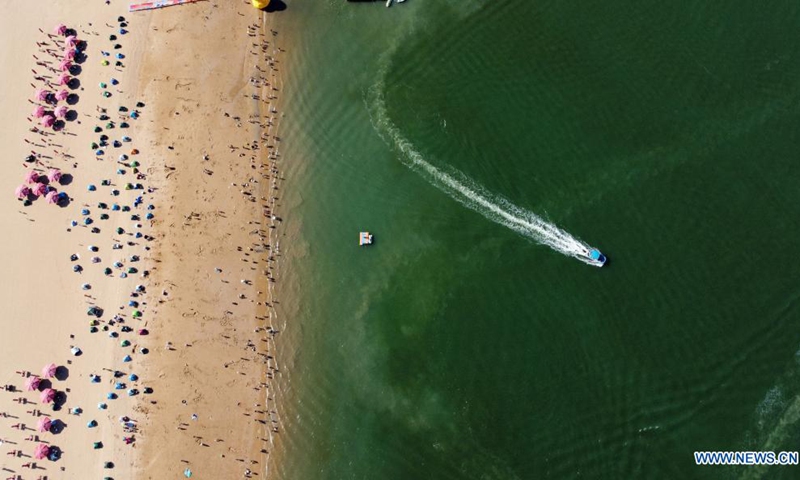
x=64, y=65
x=133, y=377
x=32, y=176
x=52, y=197
x=32, y=383
x=71, y=41
x=143, y=331
x=64, y=79
x=22, y=192
x=60, y=29
x=62, y=95
x=61, y=112
x=41, y=451
x=39, y=189
x=48, y=395
x=124, y=343
x=119, y=386
x=48, y=121
x=69, y=54
x=38, y=111
x=111, y=395
x=44, y=424
x=54, y=175
x=49, y=371
x=42, y=94
x=127, y=358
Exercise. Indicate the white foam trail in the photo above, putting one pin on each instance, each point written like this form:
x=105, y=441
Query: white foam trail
x=471, y=194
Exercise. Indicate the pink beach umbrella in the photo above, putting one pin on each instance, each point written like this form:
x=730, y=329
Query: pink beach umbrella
x=32, y=383
x=52, y=197
x=41, y=94
x=22, y=192
x=65, y=65
x=38, y=111
x=47, y=395
x=39, y=189
x=32, y=177
x=48, y=121
x=41, y=451
x=62, y=95
x=44, y=424
x=64, y=79
x=49, y=371
x=54, y=175
x=60, y=29
x=71, y=41
x=70, y=53
x=61, y=111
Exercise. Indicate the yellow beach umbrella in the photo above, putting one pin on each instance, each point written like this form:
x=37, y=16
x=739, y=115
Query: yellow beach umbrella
x=259, y=4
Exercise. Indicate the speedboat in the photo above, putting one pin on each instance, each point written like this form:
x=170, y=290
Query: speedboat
x=595, y=257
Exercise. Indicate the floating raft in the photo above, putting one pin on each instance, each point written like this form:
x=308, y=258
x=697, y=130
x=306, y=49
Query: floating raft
x=136, y=7
x=364, y=238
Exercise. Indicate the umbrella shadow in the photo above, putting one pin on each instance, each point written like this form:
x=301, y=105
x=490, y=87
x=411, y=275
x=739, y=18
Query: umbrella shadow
x=73, y=99
x=57, y=426
x=74, y=84
x=71, y=116
x=64, y=203
x=80, y=57
x=59, y=125
x=59, y=400
x=62, y=373
x=66, y=179
x=44, y=384
x=75, y=70
x=275, y=6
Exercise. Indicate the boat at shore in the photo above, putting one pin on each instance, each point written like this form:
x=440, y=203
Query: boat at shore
x=594, y=257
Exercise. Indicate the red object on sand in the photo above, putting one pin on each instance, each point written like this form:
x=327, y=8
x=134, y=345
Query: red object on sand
x=52, y=196
x=54, y=175
x=32, y=177
x=22, y=192
x=49, y=371
x=41, y=452
x=48, y=395
x=32, y=383
x=44, y=424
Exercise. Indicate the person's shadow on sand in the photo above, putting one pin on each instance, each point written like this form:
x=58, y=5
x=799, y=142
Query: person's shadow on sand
x=275, y=6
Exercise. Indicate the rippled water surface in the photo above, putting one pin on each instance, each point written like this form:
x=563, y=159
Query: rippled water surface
x=465, y=346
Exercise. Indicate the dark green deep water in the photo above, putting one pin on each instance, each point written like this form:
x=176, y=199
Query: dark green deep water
x=663, y=133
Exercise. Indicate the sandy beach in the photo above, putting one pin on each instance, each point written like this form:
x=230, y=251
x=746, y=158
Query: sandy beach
x=168, y=228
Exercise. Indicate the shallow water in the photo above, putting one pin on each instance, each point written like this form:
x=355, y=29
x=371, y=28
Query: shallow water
x=457, y=347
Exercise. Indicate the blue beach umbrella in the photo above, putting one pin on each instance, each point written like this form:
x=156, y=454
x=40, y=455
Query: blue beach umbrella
x=87, y=221
x=91, y=423
x=149, y=216
x=115, y=207
x=101, y=406
x=133, y=377
x=91, y=188
x=119, y=386
x=127, y=358
x=85, y=211
x=111, y=396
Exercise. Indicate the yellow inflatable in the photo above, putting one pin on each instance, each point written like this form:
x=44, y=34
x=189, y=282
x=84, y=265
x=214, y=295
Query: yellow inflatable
x=259, y=4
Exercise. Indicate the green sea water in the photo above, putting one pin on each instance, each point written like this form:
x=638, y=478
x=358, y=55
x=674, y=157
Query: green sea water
x=459, y=346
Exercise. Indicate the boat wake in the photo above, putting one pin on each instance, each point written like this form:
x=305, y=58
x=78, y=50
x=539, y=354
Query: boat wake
x=471, y=194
